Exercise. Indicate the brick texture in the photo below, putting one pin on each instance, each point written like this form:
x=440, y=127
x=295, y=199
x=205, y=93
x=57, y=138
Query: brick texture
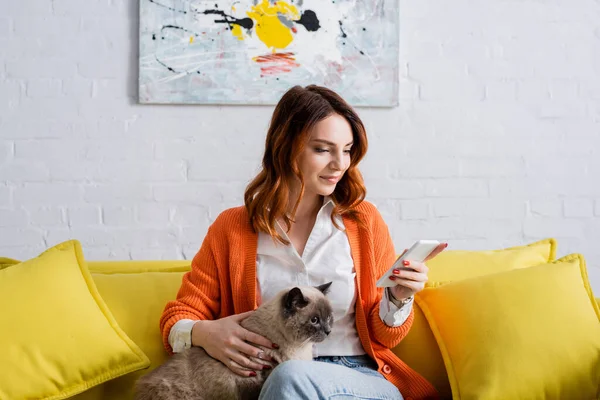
x=495, y=143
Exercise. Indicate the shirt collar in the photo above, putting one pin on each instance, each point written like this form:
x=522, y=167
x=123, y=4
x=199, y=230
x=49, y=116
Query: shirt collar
x=328, y=203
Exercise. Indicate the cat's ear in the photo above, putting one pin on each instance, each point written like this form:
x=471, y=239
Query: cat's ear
x=294, y=299
x=324, y=288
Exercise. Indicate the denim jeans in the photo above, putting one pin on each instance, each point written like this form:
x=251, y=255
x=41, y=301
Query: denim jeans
x=335, y=378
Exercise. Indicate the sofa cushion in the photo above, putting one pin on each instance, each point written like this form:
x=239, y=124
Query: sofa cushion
x=419, y=349
x=454, y=265
x=7, y=262
x=59, y=337
x=527, y=333
x=134, y=267
x=136, y=292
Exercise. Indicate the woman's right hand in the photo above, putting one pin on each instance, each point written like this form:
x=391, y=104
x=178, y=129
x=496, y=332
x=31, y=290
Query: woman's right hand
x=227, y=341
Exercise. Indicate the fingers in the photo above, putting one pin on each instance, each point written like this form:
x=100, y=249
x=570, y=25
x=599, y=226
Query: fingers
x=252, y=351
x=404, y=274
x=240, y=361
x=413, y=266
x=242, y=316
x=235, y=367
x=414, y=286
x=441, y=247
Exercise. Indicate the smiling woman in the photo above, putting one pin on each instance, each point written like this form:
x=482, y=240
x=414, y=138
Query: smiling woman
x=304, y=222
x=313, y=147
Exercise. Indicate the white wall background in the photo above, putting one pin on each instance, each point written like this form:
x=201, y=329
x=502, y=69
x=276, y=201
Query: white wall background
x=496, y=141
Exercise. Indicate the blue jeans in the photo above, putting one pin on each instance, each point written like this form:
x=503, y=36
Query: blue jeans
x=328, y=378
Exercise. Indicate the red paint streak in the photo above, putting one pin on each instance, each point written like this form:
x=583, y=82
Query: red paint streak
x=277, y=63
x=338, y=67
x=294, y=29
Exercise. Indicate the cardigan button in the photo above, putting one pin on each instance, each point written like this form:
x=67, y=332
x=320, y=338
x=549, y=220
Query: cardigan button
x=386, y=369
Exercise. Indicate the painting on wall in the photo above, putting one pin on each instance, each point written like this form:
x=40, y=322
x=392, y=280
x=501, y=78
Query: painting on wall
x=252, y=51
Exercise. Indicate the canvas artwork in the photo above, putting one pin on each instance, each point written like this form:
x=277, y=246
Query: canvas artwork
x=252, y=51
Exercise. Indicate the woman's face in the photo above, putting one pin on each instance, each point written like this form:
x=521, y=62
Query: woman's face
x=327, y=156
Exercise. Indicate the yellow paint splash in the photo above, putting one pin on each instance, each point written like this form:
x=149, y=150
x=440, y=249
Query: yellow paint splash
x=267, y=25
x=191, y=39
x=237, y=32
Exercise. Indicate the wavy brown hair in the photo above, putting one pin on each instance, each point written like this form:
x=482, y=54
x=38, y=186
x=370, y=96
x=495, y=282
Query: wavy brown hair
x=268, y=195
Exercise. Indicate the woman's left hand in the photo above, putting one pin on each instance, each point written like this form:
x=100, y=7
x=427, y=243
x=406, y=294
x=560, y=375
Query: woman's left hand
x=412, y=277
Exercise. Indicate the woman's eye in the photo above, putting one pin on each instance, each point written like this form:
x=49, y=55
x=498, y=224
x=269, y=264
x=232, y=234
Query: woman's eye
x=314, y=320
x=320, y=150
x=347, y=151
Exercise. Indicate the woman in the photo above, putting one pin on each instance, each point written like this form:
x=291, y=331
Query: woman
x=305, y=222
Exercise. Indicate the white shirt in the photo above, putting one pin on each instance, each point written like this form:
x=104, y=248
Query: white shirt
x=326, y=258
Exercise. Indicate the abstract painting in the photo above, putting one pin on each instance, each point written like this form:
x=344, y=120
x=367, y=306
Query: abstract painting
x=252, y=51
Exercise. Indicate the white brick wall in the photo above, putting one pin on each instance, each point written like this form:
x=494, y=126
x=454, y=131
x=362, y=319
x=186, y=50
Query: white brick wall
x=495, y=143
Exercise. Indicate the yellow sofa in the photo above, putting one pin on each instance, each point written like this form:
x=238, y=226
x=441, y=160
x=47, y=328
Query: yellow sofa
x=136, y=292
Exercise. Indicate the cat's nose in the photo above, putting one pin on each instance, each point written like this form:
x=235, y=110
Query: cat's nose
x=327, y=331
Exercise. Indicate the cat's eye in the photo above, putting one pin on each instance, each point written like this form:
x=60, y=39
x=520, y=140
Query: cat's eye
x=314, y=320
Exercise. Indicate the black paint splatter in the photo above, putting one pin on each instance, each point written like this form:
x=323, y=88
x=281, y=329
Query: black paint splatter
x=176, y=27
x=229, y=20
x=309, y=20
x=342, y=30
x=168, y=27
x=344, y=35
x=165, y=65
x=167, y=7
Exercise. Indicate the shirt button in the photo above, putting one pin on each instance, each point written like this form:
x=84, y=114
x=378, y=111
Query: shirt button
x=387, y=369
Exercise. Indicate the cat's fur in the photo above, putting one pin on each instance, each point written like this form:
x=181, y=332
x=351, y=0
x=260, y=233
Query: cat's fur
x=294, y=319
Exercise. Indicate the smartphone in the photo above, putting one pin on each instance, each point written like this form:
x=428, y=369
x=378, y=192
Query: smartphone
x=418, y=252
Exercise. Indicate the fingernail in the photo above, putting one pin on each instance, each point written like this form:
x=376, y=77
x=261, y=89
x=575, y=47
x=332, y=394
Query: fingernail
x=266, y=367
x=445, y=245
x=396, y=271
x=252, y=374
x=392, y=277
x=275, y=346
x=405, y=262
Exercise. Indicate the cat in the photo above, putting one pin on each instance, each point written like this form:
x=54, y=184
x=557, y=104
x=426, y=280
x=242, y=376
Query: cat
x=294, y=319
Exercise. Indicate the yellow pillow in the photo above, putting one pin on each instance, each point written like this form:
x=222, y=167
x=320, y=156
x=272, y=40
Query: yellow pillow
x=7, y=262
x=454, y=265
x=522, y=334
x=137, y=300
x=58, y=338
x=419, y=349
x=134, y=267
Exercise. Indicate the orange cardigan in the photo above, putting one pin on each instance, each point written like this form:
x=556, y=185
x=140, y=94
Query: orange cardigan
x=222, y=282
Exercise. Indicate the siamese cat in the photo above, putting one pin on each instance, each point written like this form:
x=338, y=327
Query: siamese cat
x=294, y=319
